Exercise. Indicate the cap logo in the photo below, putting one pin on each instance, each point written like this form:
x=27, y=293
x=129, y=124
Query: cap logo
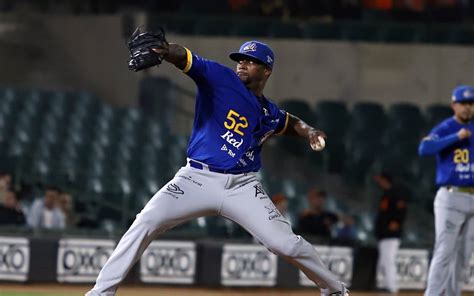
x=250, y=47
x=269, y=59
x=467, y=93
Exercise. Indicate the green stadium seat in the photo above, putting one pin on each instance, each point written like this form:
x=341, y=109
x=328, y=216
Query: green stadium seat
x=360, y=156
x=368, y=121
x=172, y=24
x=177, y=154
x=334, y=156
x=462, y=35
x=398, y=165
x=424, y=168
x=440, y=34
x=156, y=95
x=398, y=33
x=406, y=122
x=304, y=111
x=315, y=160
x=212, y=7
x=6, y=94
x=360, y=32
x=252, y=27
x=214, y=26
x=332, y=117
x=436, y=113
x=322, y=31
x=285, y=30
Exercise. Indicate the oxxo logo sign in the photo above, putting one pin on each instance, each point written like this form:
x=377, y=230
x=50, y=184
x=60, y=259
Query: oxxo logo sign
x=247, y=265
x=14, y=259
x=339, y=260
x=412, y=269
x=169, y=262
x=80, y=260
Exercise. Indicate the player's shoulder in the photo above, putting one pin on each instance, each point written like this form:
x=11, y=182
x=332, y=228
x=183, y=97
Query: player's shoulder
x=446, y=124
x=272, y=105
x=199, y=63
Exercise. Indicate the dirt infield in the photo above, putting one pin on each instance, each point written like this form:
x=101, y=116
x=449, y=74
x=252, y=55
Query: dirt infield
x=142, y=290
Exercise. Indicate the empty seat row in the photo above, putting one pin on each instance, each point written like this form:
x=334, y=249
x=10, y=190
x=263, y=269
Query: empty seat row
x=341, y=30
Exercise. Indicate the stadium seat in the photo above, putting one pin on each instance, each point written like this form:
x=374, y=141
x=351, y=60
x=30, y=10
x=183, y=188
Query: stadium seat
x=462, y=35
x=322, y=31
x=285, y=30
x=398, y=33
x=156, y=95
x=332, y=117
x=360, y=32
x=368, y=121
x=334, y=156
x=6, y=94
x=360, y=156
x=172, y=23
x=304, y=111
x=441, y=34
x=214, y=26
x=405, y=122
x=252, y=28
x=436, y=113
x=177, y=154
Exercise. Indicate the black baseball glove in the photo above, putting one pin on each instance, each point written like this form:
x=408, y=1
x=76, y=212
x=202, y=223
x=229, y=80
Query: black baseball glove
x=140, y=46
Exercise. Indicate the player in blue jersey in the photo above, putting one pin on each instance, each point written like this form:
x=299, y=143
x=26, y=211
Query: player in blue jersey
x=453, y=144
x=232, y=120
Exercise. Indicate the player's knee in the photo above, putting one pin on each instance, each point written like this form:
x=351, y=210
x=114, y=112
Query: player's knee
x=148, y=222
x=287, y=247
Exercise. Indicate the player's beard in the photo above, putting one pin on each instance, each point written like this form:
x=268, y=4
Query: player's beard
x=465, y=117
x=245, y=79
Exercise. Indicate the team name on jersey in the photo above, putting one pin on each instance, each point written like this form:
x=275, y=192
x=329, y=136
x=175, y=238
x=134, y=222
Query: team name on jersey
x=229, y=137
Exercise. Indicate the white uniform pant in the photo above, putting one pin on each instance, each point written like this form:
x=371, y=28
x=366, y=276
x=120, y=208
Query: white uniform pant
x=193, y=193
x=386, y=264
x=454, y=226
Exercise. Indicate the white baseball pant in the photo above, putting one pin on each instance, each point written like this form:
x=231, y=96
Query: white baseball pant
x=453, y=218
x=193, y=193
x=386, y=264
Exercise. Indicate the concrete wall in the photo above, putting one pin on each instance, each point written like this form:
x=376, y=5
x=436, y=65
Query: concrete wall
x=88, y=52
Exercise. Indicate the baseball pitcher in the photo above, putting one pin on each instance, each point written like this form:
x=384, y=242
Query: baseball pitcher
x=232, y=120
x=453, y=144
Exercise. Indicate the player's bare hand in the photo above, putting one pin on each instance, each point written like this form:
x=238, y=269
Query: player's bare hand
x=162, y=51
x=317, y=140
x=464, y=133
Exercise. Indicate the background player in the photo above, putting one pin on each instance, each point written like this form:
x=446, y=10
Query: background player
x=232, y=120
x=452, y=143
x=388, y=228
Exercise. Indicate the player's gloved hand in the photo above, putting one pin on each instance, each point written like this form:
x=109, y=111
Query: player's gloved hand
x=317, y=139
x=464, y=133
x=140, y=46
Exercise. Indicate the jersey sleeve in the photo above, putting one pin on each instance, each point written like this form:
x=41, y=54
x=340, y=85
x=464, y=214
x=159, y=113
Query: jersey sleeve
x=437, y=132
x=283, y=117
x=203, y=71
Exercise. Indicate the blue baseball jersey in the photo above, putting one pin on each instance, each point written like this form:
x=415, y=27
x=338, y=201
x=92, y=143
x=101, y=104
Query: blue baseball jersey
x=455, y=166
x=230, y=122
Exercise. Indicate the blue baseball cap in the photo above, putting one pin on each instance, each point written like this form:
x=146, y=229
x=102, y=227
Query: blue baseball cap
x=256, y=50
x=463, y=93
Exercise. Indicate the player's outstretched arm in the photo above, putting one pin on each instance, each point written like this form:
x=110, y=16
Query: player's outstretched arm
x=297, y=127
x=174, y=54
x=150, y=48
x=430, y=145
